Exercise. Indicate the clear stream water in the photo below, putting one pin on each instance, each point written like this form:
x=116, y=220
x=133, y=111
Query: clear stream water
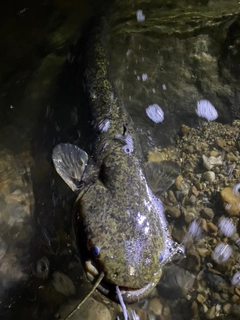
x=164, y=55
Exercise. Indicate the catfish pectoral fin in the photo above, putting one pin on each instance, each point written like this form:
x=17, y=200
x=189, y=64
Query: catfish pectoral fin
x=161, y=175
x=70, y=162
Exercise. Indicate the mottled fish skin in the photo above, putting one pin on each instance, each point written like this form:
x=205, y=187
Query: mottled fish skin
x=118, y=212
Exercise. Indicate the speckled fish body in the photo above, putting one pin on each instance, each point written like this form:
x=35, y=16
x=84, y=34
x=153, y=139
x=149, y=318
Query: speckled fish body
x=116, y=211
x=119, y=212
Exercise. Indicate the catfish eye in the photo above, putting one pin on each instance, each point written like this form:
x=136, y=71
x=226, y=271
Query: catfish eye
x=95, y=251
x=160, y=258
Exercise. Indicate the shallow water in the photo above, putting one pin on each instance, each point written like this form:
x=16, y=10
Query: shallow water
x=163, y=53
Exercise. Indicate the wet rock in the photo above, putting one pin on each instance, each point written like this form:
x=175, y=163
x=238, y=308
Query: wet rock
x=231, y=201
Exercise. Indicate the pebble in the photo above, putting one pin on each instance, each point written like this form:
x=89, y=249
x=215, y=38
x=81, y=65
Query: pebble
x=201, y=298
x=172, y=197
x=178, y=182
x=173, y=212
x=231, y=201
x=195, y=191
x=141, y=313
x=235, y=298
x=166, y=311
x=210, y=314
x=207, y=213
x=155, y=306
x=227, y=308
x=211, y=227
x=211, y=162
x=209, y=176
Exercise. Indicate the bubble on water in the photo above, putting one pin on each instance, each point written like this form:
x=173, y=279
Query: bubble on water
x=222, y=253
x=236, y=279
x=236, y=189
x=140, y=16
x=104, y=125
x=227, y=227
x=194, y=231
x=206, y=110
x=155, y=113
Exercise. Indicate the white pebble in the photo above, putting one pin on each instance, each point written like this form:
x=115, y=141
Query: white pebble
x=155, y=113
x=140, y=16
x=222, y=253
x=236, y=189
x=206, y=110
x=236, y=279
x=227, y=227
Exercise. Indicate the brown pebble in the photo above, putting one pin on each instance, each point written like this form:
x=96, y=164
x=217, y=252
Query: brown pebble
x=166, y=311
x=231, y=201
x=142, y=314
x=173, y=212
x=201, y=298
x=172, y=197
x=155, y=306
x=207, y=213
x=211, y=227
x=203, y=224
x=195, y=191
x=210, y=314
x=227, y=308
x=234, y=298
x=178, y=182
x=185, y=129
x=237, y=291
x=221, y=143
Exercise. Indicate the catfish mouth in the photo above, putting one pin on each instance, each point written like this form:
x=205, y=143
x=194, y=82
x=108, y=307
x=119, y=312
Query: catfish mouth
x=129, y=295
